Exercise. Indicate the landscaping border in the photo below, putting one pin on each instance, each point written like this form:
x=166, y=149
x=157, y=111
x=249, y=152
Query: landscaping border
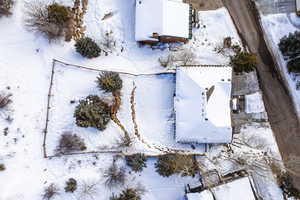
x=45, y=132
x=118, y=152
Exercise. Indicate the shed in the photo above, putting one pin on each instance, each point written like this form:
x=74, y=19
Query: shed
x=238, y=189
x=202, y=105
x=254, y=103
x=162, y=20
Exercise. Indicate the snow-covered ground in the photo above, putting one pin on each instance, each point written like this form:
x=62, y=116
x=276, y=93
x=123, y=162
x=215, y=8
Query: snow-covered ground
x=25, y=67
x=275, y=27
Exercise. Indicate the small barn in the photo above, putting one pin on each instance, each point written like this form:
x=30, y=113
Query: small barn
x=239, y=189
x=162, y=21
x=202, y=105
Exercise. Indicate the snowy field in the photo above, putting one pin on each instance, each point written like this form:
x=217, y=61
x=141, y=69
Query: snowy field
x=25, y=67
x=276, y=26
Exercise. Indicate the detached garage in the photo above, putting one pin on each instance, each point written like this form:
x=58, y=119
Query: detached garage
x=162, y=21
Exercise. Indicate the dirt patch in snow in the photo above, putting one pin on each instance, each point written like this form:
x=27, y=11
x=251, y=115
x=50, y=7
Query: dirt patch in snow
x=205, y=5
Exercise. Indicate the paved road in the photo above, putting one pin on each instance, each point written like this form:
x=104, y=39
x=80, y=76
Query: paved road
x=278, y=103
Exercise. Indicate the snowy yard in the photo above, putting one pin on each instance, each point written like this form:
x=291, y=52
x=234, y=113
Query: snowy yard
x=25, y=71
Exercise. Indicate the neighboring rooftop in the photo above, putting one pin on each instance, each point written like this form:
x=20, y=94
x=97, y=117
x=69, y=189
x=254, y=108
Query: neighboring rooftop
x=161, y=17
x=235, y=190
x=202, y=104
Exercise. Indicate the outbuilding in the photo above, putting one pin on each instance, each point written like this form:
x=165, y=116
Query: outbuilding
x=239, y=189
x=162, y=21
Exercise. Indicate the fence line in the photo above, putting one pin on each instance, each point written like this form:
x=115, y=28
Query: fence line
x=124, y=154
x=204, y=66
x=119, y=152
x=103, y=70
x=47, y=112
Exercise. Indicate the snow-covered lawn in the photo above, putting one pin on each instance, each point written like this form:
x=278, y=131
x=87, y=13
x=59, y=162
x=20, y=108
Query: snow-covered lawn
x=276, y=26
x=25, y=66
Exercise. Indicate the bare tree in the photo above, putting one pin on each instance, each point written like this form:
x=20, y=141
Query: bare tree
x=88, y=189
x=50, y=191
x=186, y=56
x=115, y=176
x=5, y=100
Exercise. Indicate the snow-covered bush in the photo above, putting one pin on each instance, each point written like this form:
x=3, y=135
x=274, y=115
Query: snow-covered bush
x=50, y=191
x=124, y=141
x=87, y=47
x=115, y=176
x=136, y=162
x=170, y=164
x=109, y=81
x=58, y=14
x=5, y=7
x=243, y=62
x=71, y=185
x=185, y=56
x=108, y=41
x=70, y=142
x=5, y=100
x=92, y=112
x=289, y=46
x=50, y=20
x=2, y=167
x=128, y=194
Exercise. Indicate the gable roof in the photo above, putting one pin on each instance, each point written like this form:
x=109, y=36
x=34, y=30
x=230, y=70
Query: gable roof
x=237, y=189
x=165, y=17
x=198, y=118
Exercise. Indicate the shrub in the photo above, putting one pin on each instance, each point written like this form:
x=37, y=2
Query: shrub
x=50, y=20
x=286, y=184
x=243, y=62
x=170, y=164
x=87, y=47
x=294, y=65
x=109, y=81
x=2, y=167
x=58, y=14
x=5, y=100
x=70, y=142
x=92, y=112
x=128, y=194
x=115, y=176
x=290, y=48
x=136, y=162
x=50, y=191
x=5, y=7
x=71, y=185
x=289, y=45
x=124, y=141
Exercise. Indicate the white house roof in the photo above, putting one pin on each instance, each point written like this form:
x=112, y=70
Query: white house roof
x=235, y=190
x=165, y=17
x=202, y=104
x=205, y=195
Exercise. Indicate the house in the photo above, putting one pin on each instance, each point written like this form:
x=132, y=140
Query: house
x=202, y=105
x=162, y=21
x=241, y=188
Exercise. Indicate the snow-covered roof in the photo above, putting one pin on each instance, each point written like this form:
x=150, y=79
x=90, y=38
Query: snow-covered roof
x=164, y=17
x=235, y=190
x=205, y=195
x=254, y=103
x=202, y=104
